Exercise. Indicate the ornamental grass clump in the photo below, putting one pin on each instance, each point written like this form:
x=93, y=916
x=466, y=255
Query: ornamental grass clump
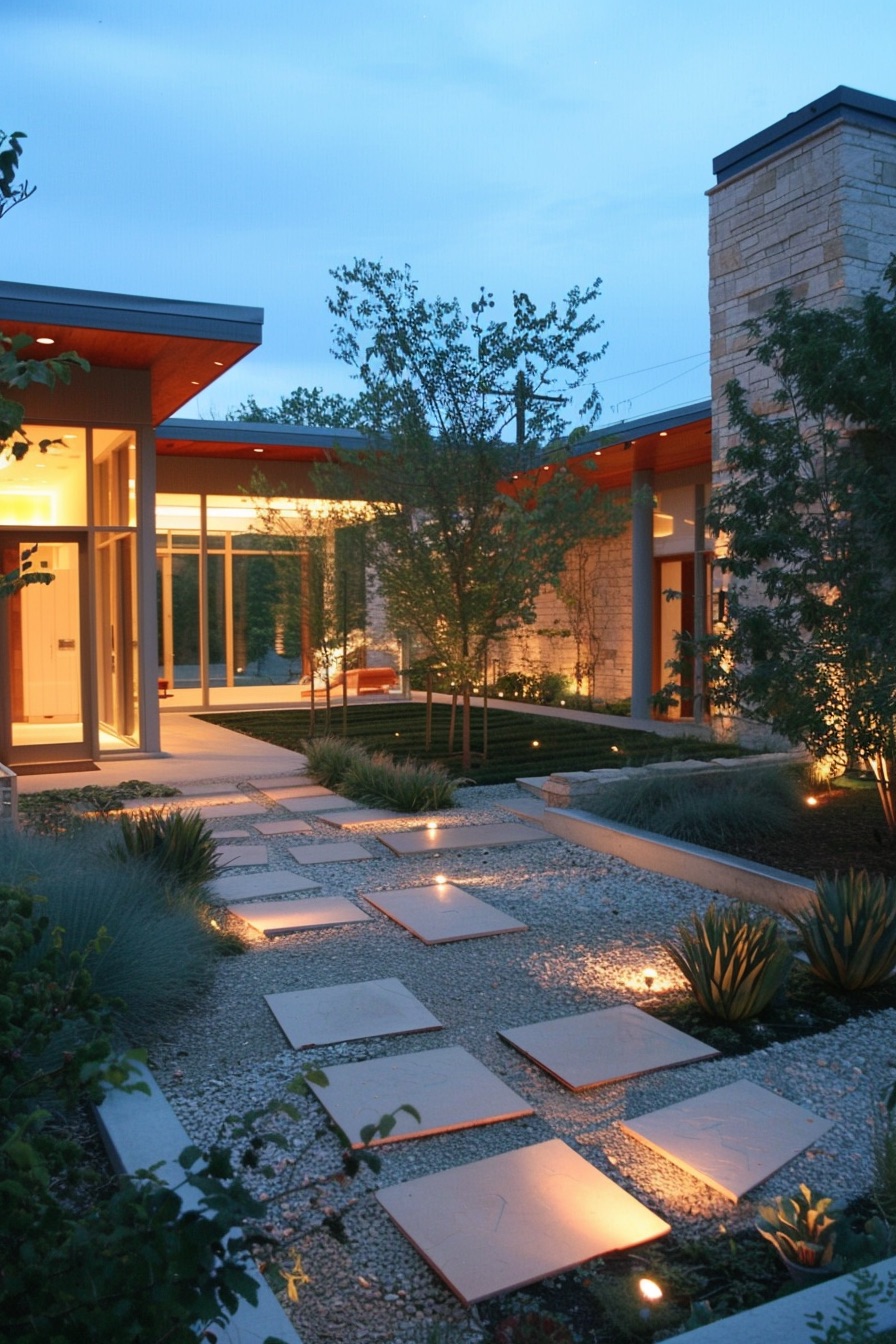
x=405, y=785
x=849, y=930
x=330, y=757
x=180, y=845
x=734, y=961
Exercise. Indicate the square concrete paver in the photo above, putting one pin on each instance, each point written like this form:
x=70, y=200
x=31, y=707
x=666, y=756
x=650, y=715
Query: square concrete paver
x=209, y=789
x=246, y=886
x=292, y=827
x=603, y=1046
x=733, y=1137
x=492, y=1226
x=214, y=811
x=449, y=1088
x=349, y=1013
x=343, y=851
x=320, y=803
x=280, y=781
x=311, y=912
x=241, y=856
x=363, y=816
x=434, y=839
x=230, y=835
x=297, y=790
x=442, y=913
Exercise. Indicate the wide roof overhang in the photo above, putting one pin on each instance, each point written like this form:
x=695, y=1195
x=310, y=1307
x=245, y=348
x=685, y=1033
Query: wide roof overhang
x=184, y=346
x=238, y=439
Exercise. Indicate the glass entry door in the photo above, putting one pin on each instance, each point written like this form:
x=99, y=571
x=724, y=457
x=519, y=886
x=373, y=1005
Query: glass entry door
x=44, y=628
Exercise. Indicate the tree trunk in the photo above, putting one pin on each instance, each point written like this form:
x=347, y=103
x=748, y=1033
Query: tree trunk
x=485, y=706
x=311, y=704
x=453, y=720
x=465, y=744
x=428, y=736
x=884, y=772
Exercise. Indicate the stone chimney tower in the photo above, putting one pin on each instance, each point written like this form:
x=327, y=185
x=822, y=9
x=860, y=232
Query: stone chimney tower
x=809, y=205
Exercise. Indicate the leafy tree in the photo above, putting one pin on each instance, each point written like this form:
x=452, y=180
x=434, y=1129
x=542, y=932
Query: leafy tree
x=466, y=524
x=809, y=548
x=11, y=195
x=304, y=406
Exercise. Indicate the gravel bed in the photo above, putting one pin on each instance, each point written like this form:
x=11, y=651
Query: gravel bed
x=595, y=923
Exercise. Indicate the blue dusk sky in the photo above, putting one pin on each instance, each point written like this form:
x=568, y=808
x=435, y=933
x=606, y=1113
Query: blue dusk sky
x=235, y=153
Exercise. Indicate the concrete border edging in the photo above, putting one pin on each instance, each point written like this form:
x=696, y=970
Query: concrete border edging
x=743, y=881
x=138, y=1131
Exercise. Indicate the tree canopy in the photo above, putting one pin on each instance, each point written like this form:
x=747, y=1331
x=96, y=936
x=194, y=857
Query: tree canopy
x=472, y=505
x=809, y=546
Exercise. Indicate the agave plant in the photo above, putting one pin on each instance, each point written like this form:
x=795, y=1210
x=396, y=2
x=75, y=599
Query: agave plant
x=734, y=961
x=803, y=1228
x=180, y=844
x=849, y=930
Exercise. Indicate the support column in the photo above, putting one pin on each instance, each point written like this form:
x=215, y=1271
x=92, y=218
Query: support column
x=642, y=594
x=699, y=598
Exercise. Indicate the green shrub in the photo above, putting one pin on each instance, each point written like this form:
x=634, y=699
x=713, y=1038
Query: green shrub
x=180, y=845
x=733, y=961
x=711, y=809
x=158, y=952
x=408, y=787
x=330, y=757
x=59, y=811
x=849, y=930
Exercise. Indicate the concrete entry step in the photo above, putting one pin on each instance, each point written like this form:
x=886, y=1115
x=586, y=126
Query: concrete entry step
x=434, y=839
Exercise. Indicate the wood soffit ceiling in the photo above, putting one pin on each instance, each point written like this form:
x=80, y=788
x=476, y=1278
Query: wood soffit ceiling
x=179, y=366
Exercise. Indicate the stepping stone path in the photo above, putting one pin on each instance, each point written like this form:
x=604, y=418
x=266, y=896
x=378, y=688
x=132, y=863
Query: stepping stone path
x=436, y=838
x=733, y=1138
x=443, y=913
x=496, y=1225
x=311, y=912
x=605, y=1046
x=349, y=1013
x=491, y=1226
x=345, y=851
x=241, y=856
x=246, y=886
x=449, y=1088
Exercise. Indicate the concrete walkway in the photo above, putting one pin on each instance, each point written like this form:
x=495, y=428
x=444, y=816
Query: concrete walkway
x=193, y=750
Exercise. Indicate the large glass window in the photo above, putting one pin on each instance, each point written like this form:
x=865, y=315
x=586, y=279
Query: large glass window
x=48, y=487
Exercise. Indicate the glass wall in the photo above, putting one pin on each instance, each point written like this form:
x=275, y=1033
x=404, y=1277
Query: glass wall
x=70, y=644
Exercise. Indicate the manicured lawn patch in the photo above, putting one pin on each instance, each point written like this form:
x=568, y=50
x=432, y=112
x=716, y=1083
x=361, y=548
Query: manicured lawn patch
x=518, y=744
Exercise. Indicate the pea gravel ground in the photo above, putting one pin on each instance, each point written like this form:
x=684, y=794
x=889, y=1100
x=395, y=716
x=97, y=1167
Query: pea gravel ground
x=594, y=923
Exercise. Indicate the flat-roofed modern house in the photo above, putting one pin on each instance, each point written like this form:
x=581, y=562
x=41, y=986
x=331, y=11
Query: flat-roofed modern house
x=163, y=586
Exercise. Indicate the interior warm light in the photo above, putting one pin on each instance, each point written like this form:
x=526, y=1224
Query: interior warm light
x=650, y=1290
x=663, y=524
x=649, y=977
x=45, y=340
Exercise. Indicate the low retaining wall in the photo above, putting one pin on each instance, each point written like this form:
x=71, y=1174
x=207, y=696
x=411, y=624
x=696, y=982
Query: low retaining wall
x=9, y=797
x=139, y=1131
x=744, y=881
x=575, y=788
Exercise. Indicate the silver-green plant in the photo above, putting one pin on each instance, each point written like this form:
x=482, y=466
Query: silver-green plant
x=734, y=961
x=849, y=929
x=329, y=757
x=408, y=786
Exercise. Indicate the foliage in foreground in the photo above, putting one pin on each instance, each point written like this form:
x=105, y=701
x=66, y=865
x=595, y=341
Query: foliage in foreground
x=81, y=1262
x=734, y=961
x=849, y=930
x=158, y=951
